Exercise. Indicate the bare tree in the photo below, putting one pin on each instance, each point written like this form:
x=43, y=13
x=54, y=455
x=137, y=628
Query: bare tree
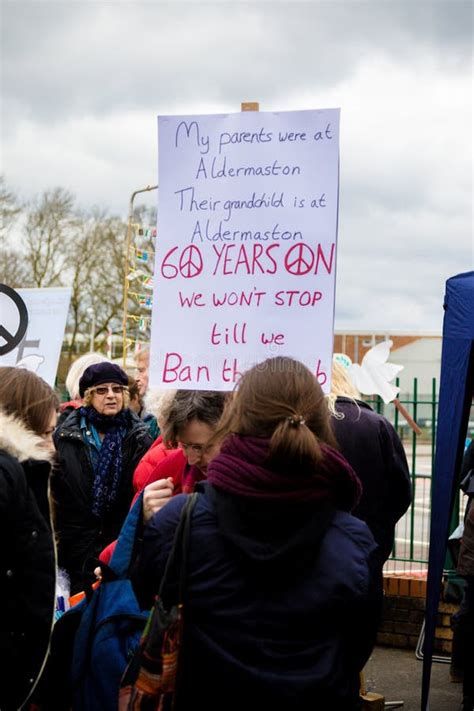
x=95, y=273
x=13, y=270
x=107, y=283
x=9, y=208
x=51, y=226
x=59, y=245
x=77, y=275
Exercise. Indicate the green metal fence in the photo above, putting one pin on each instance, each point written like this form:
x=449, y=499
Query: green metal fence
x=410, y=552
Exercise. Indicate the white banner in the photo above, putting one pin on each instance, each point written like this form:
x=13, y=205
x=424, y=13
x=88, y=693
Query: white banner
x=246, y=245
x=40, y=347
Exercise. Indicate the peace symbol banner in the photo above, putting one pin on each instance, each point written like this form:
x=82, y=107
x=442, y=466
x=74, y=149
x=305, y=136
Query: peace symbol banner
x=246, y=245
x=12, y=309
x=39, y=346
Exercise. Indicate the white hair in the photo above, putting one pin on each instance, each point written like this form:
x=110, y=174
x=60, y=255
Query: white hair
x=157, y=402
x=77, y=369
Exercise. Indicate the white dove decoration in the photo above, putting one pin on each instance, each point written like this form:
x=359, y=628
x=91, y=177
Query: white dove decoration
x=31, y=362
x=373, y=376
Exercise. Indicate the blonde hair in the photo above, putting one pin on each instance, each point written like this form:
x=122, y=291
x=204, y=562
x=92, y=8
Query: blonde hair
x=76, y=372
x=341, y=386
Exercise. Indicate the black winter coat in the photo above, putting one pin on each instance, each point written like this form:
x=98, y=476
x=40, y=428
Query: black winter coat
x=466, y=553
x=81, y=535
x=373, y=448
x=27, y=563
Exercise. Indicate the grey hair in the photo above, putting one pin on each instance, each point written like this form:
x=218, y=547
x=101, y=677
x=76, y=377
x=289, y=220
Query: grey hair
x=76, y=372
x=205, y=406
x=143, y=355
x=157, y=402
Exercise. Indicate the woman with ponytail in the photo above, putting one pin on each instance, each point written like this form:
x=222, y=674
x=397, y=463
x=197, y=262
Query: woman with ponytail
x=284, y=591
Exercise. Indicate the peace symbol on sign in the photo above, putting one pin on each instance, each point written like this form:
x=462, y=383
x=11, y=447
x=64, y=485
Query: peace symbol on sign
x=299, y=259
x=190, y=262
x=13, y=339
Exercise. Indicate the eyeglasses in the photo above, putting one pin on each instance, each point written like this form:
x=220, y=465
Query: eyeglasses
x=196, y=448
x=104, y=389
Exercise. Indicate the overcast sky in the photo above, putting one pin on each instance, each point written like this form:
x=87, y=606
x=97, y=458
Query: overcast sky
x=82, y=84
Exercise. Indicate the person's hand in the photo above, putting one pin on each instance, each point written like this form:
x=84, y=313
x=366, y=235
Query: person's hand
x=155, y=496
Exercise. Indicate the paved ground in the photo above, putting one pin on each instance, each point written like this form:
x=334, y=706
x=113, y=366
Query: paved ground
x=397, y=675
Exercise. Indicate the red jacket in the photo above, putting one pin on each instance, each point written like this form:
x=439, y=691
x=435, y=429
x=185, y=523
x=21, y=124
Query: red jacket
x=147, y=465
x=160, y=463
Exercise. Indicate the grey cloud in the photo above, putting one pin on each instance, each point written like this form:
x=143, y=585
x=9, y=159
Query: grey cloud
x=69, y=58
x=375, y=291
x=83, y=81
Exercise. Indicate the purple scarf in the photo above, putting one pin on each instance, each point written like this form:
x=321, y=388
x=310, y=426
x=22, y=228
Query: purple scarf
x=240, y=469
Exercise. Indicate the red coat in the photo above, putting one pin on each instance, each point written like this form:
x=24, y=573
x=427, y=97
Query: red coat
x=144, y=473
x=160, y=463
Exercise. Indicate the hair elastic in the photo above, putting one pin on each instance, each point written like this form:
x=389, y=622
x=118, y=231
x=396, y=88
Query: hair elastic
x=296, y=420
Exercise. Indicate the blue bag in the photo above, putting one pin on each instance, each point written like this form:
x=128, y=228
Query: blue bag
x=110, y=627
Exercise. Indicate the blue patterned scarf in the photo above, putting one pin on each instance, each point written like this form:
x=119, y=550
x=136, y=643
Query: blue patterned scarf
x=107, y=465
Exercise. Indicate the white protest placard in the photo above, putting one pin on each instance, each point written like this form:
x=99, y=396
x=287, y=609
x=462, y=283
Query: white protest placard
x=246, y=248
x=40, y=347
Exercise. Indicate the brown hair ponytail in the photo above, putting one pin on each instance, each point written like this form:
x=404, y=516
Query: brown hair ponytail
x=281, y=400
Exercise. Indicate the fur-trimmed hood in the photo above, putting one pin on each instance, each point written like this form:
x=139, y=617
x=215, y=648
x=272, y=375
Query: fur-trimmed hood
x=20, y=442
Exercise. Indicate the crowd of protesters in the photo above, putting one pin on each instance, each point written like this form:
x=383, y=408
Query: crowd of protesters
x=298, y=497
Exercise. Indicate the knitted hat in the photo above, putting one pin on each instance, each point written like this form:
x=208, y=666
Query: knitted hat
x=102, y=373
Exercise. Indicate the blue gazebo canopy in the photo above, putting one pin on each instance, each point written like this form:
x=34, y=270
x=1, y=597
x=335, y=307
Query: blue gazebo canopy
x=455, y=397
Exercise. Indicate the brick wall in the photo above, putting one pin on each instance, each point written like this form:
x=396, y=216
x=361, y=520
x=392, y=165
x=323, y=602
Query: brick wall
x=403, y=614
x=353, y=344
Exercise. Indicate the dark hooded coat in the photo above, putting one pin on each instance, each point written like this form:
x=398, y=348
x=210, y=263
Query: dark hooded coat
x=282, y=602
x=27, y=562
x=466, y=553
x=373, y=448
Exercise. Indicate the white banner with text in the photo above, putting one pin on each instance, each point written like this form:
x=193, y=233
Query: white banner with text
x=245, y=261
x=40, y=345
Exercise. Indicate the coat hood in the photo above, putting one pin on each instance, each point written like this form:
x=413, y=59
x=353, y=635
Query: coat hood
x=20, y=442
x=271, y=533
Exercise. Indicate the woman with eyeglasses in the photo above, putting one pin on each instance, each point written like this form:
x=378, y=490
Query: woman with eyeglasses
x=99, y=445
x=178, y=461
x=73, y=377
x=28, y=413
